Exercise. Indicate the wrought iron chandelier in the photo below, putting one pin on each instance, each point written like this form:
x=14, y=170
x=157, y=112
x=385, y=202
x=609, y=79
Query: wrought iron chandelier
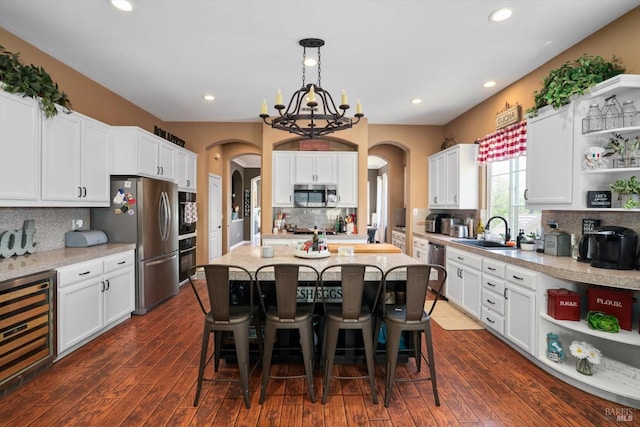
x=311, y=112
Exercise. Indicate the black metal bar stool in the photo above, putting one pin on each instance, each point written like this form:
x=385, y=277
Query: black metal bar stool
x=287, y=313
x=223, y=317
x=352, y=313
x=410, y=316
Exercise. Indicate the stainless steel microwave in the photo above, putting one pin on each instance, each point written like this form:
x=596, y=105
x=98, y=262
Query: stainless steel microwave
x=315, y=196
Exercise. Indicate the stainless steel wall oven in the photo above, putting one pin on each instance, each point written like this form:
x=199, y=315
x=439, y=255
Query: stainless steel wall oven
x=187, y=219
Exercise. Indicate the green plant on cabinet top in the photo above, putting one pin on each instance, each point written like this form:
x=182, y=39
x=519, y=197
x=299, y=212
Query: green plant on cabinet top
x=33, y=81
x=571, y=78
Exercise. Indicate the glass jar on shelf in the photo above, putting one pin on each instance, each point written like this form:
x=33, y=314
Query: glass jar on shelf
x=612, y=113
x=630, y=116
x=593, y=121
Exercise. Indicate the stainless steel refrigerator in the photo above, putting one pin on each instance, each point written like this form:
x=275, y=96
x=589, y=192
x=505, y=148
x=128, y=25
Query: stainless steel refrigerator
x=144, y=211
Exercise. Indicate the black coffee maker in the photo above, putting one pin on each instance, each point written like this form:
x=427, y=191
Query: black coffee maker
x=613, y=247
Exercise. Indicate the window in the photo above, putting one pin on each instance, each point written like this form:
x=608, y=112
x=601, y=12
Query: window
x=506, y=181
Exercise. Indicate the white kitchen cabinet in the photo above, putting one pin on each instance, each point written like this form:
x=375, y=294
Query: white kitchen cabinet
x=550, y=154
x=186, y=170
x=453, y=181
x=492, y=294
x=520, y=307
x=398, y=239
x=421, y=250
x=75, y=167
x=135, y=151
x=20, y=137
x=93, y=296
x=464, y=280
x=315, y=167
x=347, y=179
x=283, y=175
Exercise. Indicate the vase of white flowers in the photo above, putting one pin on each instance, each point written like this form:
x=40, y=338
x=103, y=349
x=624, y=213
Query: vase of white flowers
x=587, y=356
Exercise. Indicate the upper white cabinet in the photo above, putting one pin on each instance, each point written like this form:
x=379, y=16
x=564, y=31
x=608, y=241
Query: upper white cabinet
x=75, y=169
x=315, y=167
x=453, y=178
x=283, y=175
x=138, y=152
x=347, y=180
x=20, y=131
x=186, y=170
x=550, y=158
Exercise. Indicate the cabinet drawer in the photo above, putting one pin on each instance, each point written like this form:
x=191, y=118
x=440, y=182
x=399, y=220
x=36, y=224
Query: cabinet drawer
x=115, y=262
x=466, y=258
x=79, y=272
x=493, y=267
x=521, y=277
x=493, y=320
x=493, y=283
x=493, y=301
x=420, y=243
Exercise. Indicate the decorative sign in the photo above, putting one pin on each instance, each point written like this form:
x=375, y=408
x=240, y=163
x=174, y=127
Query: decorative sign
x=18, y=242
x=247, y=202
x=168, y=136
x=599, y=199
x=589, y=225
x=314, y=145
x=508, y=116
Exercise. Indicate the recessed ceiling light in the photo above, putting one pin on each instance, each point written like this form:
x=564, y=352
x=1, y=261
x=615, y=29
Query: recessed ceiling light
x=416, y=101
x=490, y=83
x=209, y=98
x=310, y=62
x=123, y=5
x=500, y=15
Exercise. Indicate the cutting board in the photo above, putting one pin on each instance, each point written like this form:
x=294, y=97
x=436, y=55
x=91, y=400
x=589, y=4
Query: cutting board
x=366, y=248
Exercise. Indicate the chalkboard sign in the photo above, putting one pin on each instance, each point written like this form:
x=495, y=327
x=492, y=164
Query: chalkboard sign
x=598, y=199
x=247, y=202
x=589, y=225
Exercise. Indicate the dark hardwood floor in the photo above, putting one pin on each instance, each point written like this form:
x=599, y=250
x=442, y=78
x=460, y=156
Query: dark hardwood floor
x=144, y=371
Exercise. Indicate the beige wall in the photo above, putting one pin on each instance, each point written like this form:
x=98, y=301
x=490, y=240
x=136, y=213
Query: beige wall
x=229, y=140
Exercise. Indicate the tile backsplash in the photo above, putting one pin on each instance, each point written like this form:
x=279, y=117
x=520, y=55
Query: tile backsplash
x=51, y=223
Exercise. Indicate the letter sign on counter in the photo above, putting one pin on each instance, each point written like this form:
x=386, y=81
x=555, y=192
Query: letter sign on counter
x=18, y=242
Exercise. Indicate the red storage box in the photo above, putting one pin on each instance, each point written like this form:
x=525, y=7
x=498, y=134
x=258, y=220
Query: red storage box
x=618, y=302
x=563, y=304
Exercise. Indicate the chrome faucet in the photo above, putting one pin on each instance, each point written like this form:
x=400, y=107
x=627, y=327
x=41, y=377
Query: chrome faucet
x=507, y=234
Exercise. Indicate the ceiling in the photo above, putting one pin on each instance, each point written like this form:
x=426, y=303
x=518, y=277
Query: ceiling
x=166, y=54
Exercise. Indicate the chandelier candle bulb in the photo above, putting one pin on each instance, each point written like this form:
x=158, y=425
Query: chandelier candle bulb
x=358, y=107
x=312, y=95
x=263, y=108
x=344, y=98
x=279, y=97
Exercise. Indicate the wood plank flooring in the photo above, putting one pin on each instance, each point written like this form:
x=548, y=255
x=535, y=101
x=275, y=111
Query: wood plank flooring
x=143, y=373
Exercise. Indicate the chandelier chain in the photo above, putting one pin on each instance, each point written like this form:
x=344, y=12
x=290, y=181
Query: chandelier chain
x=304, y=65
x=319, y=62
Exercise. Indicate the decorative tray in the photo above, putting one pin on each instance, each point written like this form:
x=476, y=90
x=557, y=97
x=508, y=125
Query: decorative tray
x=315, y=254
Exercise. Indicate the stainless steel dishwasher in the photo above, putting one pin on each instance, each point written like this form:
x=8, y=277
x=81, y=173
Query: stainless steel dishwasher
x=436, y=255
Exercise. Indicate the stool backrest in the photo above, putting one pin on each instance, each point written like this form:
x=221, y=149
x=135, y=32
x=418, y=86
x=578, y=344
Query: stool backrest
x=287, y=279
x=417, y=283
x=218, y=288
x=352, y=278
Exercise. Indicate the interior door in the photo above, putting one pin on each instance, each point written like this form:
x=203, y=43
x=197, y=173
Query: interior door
x=215, y=217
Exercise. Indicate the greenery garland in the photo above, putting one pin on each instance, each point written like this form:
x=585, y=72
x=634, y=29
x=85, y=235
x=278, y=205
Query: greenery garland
x=33, y=82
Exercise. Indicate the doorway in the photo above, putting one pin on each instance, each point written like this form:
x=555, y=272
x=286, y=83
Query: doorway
x=215, y=217
x=255, y=211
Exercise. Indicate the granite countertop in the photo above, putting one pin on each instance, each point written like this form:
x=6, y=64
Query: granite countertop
x=565, y=268
x=11, y=268
x=330, y=237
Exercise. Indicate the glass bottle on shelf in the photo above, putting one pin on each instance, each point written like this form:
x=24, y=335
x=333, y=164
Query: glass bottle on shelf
x=612, y=113
x=630, y=116
x=593, y=121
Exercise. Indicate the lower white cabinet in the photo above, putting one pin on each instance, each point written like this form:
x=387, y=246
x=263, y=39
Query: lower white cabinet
x=93, y=296
x=464, y=280
x=520, y=306
x=493, y=300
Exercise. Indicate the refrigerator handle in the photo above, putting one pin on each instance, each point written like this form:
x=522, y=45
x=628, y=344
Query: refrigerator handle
x=162, y=216
x=167, y=224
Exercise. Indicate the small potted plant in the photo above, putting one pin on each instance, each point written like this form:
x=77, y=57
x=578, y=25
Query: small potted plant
x=628, y=191
x=528, y=242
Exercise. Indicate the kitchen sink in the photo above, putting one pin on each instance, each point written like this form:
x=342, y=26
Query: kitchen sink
x=484, y=244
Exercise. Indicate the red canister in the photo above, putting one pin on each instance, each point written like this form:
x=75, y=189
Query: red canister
x=617, y=302
x=563, y=304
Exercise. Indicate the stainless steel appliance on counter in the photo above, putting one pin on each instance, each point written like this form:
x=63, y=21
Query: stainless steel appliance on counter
x=433, y=222
x=144, y=211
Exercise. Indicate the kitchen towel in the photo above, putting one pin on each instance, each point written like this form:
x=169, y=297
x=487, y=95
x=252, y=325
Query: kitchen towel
x=190, y=212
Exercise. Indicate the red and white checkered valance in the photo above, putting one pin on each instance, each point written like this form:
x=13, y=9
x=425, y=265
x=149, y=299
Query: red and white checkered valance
x=507, y=143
